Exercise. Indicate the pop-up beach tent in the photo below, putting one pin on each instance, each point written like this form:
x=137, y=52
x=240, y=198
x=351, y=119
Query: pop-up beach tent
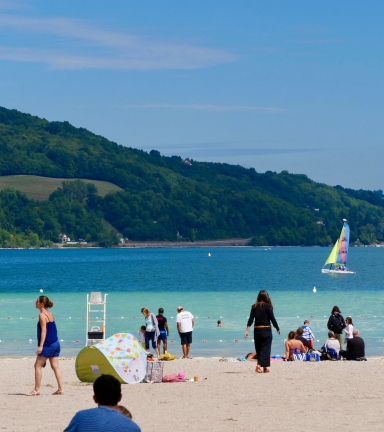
x=121, y=355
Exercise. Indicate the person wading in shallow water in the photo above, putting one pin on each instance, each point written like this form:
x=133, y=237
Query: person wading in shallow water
x=185, y=323
x=262, y=316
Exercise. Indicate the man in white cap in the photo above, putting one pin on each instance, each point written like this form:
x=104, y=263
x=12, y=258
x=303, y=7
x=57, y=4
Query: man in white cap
x=185, y=323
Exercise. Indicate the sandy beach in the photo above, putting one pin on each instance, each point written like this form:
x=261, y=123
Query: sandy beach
x=229, y=396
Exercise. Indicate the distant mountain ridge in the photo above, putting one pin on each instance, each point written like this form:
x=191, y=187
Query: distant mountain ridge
x=165, y=198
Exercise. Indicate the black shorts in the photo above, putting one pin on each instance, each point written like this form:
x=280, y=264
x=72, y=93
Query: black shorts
x=186, y=338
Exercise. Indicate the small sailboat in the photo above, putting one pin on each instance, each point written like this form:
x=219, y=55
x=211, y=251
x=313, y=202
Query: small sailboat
x=338, y=256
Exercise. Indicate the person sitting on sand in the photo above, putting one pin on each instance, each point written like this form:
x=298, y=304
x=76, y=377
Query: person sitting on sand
x=355, y=347
x=299, y=336
x=252, y=357
x=293, y=344
x=332, y=343
x=105, y=418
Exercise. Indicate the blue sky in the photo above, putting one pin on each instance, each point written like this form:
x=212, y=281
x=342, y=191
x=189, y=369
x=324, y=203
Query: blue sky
x=278, y=85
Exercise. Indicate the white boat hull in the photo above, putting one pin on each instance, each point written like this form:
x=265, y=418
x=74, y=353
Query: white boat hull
x=337, y=271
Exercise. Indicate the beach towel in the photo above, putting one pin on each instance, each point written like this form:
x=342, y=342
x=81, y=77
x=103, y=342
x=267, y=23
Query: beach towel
x=173, y=378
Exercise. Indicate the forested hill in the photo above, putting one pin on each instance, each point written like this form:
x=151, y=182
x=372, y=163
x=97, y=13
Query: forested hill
x=165, y=198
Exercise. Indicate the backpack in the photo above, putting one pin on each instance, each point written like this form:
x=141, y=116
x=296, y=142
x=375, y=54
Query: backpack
x=337, y=323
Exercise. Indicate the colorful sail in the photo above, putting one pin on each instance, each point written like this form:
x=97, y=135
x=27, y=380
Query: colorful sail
x=339, y=254
x=333, y=255
x=343, y=243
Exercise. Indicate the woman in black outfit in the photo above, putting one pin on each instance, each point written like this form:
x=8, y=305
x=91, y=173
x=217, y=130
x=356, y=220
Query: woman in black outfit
x=262, y=316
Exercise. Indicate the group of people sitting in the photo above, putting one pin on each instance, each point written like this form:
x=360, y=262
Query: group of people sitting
x=296, y=343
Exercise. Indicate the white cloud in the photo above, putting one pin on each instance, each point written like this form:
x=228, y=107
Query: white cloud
x=101, y=48
x=209, y=107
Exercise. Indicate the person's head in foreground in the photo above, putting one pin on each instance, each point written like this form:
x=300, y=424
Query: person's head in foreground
x=107, y=391
x=145, y=312
x=142, y=328
x=300, y=331
x=356, y=333
x=161, y=311
x=335, y=309
x=348, y=320
x=124, y=411
x=306, y=323
x=331, y=334
x=180, y=308
x=107, y=416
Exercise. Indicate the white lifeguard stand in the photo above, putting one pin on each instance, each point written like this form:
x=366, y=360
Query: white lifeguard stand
x=95, y=330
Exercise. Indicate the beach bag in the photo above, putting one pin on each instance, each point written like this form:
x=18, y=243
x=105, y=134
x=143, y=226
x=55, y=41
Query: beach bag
x=312, y=357
x=298, y=356
x=166, y=357
x=328, y=353
x=154, y=372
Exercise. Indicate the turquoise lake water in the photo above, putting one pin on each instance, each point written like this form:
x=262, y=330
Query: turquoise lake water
x=222, y=286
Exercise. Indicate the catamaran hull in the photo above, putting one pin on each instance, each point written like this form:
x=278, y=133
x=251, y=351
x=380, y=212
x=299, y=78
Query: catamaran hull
x=337, y=271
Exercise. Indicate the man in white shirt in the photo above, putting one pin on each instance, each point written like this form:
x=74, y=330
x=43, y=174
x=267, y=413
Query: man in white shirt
x=185, y=323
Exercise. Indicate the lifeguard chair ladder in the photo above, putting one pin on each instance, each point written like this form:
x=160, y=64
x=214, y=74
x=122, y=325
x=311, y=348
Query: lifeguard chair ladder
x=96, y=304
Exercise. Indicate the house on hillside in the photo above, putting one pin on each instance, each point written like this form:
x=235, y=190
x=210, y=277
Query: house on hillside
x=187, y=162
x=63, y=238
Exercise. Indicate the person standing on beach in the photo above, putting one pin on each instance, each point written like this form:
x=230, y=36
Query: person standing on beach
x=164, y=330
x=48, y=346
x=151, y=330
x=185, y=323
x=262, y=316
x=336, y=323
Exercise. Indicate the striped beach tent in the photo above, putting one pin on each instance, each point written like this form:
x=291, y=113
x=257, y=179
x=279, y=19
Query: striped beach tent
x=121, y=355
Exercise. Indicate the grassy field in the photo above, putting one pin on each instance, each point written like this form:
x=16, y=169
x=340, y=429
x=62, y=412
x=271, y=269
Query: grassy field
x=39, y=188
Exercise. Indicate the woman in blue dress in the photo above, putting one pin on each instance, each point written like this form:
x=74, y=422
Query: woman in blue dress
x=48, y=346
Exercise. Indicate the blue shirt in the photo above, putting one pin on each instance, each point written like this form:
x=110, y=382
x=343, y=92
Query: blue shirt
x=101, y=419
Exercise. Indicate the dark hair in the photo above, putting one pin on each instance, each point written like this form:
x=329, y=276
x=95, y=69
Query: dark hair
x=299, y=331
x=306, y=322
x=46, y=302
x=143, y=328
x=124, y=411
x=107, y=390
x=252, y=355
x=161, y=310
x=349, y=319
x=291, y=335
x=263, y=297
x=335, y=309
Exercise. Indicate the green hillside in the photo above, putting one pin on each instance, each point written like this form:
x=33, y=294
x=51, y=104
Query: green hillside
x=164, y=198
x=40, y=188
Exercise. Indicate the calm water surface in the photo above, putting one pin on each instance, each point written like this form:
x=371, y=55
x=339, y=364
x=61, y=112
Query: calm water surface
x=222, y=286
